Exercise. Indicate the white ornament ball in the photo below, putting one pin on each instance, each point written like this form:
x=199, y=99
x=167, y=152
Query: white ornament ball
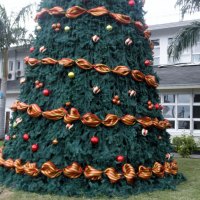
x=128, y=41
x=95, y=38
x=38, y=28
x=144, y=132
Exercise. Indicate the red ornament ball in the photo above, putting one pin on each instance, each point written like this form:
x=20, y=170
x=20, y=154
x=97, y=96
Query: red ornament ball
x=120, y=158
x=32, y=49
x=147, y=63
x=26, y=137
x=94, y=140
x=157, y=106
x=35, y=147
x=131, y=3
x=46, y=92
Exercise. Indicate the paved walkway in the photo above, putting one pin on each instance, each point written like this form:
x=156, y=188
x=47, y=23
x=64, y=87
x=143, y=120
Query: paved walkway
x=195, y=156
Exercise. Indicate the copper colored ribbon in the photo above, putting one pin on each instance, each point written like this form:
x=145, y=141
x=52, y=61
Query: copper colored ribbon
x=73, y=171
x=151, y=81
x=167, y=168
x=17, y=105
x=113, y=175
x=144, y=173
x=34, y=110
x=50, y=170
x=91, y=120
x=48, y=61
x=128, y=120
x=55, y=114
x=31, y=61
x=76, y=11
x=66, y=62
x=174, y=167
x=73, y=116
x=158, y=170
x=9, y=163
x=1, y=160
x=138, y=76
x=92, y=173
x=83, y=64
x=101, y=68
x=31, y=169
x=145, y=122
x=56, y=11
x=110, y=120
x=121, y=70
x=99, y=11
x=129, y=173
x=19, y=168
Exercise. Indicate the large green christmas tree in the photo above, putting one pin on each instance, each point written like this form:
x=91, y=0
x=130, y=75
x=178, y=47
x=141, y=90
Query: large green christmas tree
x=88, y=119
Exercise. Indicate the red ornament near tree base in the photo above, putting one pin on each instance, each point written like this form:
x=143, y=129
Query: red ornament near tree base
x=32, y=49
x=26, y=137
x=35, y=147
x=94, y=140
x=157, y=106
x=147, y=63
x=46, y=92
x=131, y=3
x=120, y=158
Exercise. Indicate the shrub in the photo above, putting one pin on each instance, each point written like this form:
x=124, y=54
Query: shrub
x=184, y=145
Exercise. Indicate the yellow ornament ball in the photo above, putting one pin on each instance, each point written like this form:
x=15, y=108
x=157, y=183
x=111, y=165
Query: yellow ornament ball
x=109, y=28
x=55, y=142
x=14, y=136
x=67, y=28
x=71, y=75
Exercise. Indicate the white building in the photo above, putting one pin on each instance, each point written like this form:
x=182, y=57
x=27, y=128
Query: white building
x=179, y=84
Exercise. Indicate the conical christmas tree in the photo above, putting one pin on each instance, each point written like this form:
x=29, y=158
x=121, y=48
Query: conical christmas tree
x=88, y=119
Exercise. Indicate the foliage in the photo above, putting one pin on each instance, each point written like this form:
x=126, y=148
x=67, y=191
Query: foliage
x=184, y=145
x=188, y=6
x=74, y=144
x=186, y=38
x=12, y=30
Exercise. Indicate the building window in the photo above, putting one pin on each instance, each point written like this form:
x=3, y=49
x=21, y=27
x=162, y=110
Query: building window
x=196, y=53
x=18, y=65
x=10, y=66
x=156, y=51
x=182, y=110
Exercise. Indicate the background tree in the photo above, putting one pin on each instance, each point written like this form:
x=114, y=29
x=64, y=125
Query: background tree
x=12, y=33
x=188, y=36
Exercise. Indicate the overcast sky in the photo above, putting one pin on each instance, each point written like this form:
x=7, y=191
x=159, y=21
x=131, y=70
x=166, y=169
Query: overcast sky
x=158, y=11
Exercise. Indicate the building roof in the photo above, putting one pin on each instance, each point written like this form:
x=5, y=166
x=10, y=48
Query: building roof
x=179, y=76
x=179, y=24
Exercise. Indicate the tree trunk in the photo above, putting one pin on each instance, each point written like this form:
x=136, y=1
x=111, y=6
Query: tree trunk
x=3, y=90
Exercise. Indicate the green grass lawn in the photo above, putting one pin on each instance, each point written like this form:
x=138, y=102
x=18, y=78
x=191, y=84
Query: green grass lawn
x=189, y=190
x=1, y=143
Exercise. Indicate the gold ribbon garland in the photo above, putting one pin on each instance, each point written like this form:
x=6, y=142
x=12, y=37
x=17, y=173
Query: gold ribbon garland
x=76, y=11
x=90, y=119
x=74, y=171
x=101, y=68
